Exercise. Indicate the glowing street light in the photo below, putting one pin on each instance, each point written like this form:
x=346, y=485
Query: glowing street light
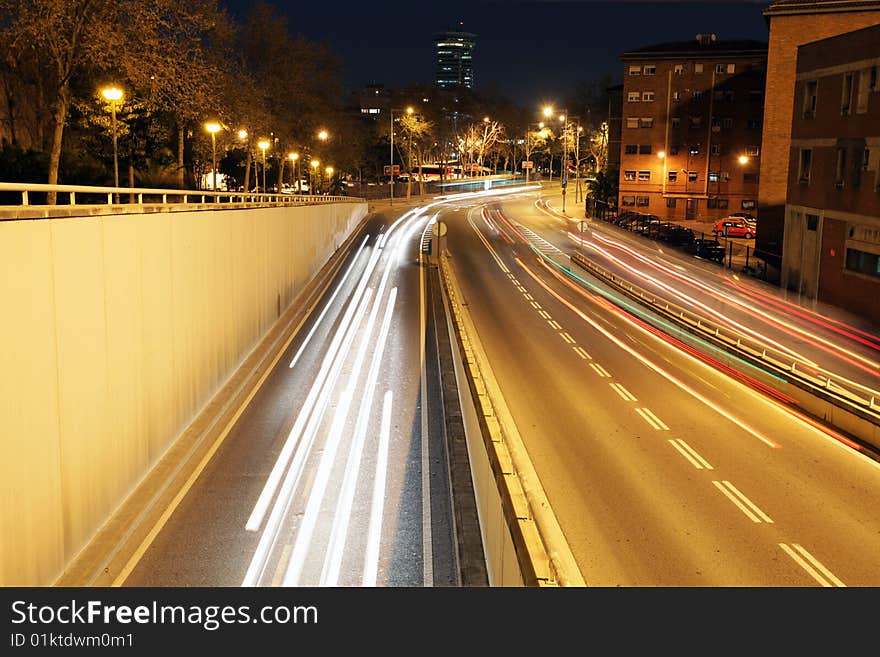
x=113, y=95
x=263, y=144
x=323, y=135
x=315, y=164
x=329, y=172
x=743, y=159
x=213, y=127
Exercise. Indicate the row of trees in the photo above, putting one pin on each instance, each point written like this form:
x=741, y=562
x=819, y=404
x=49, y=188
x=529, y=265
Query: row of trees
x=181, y=63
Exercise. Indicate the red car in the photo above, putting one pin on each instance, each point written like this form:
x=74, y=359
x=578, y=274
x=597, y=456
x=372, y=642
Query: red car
x=729, y=228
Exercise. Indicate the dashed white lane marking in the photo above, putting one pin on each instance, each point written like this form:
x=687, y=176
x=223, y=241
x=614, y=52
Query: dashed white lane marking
x=567, y=337
x=690, y=454
x=625, y=394
x=811, y=564
x=554, y=325
x=745, y=504
x=529, y=297
x=536, y=305
x=652, y=419
x=601, y=371
x=544, y=314
x=583, y=354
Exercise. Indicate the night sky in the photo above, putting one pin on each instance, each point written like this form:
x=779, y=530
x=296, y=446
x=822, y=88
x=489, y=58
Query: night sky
x=525, y=49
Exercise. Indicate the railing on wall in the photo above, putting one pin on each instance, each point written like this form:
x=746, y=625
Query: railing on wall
x=18, y=200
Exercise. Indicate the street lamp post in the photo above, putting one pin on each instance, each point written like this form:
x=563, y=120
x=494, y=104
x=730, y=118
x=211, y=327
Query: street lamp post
x=263, y=145
x=315, y=164
x=294, y=159
x=113, y=95
x=213, y=127
x=329, y=172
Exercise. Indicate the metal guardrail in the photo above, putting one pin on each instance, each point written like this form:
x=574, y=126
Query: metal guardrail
x=146, y=199
x=858, y=395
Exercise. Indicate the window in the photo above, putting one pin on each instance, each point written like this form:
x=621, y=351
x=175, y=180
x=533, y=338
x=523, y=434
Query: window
x=731, y=68
x=753, y=151
x=679, y=70
x=629, y=175
x=866, y=158
x=673, y=177
x=676, y=122
x=749, y=204
x=673, y=150
x=750, y=177
x=646, y=122
x=810, y=90
x=722, y=203
x=846, y=94
x=727, y=123
x=805, y=162
x=719, y=203
x=644, y=176
x=642, y=201
x=755, y=95
x=713, y=176
x=628, y=200
x=632, y=122
x=635, y=70
x=719, y=68
x=670, y=202
x=718, y=94
x=729, y=95
x=631, y=149
x=644, y=149
x=862, y=262
x=647, y=96
x=754, y=124
x=840, y=167
x=872, y=84
x=692, y=176
x=649, y=69
x=695, y=149
x=864, y=88
x=698, y=95
x=633, y=97
x=676, y=96
x=812, y=221
x=698, y=67
x=716, y=149
x=725, y=176
x=696, y=121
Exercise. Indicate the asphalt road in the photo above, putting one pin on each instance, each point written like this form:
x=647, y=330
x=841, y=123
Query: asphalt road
x=661, y=469
x=335, y=474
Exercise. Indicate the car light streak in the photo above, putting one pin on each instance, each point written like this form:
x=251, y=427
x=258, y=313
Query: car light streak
x=329, y=303
x=647, y=362
x=374, y=533
x=711, y=311
x=332, y=362
x=328, y=456
x=291, y=479
x=821, y=343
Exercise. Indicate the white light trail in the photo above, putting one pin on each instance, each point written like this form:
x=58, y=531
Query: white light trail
x=374, y=536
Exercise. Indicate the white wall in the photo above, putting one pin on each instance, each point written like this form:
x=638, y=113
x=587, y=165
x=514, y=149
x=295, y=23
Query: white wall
x=114, y=332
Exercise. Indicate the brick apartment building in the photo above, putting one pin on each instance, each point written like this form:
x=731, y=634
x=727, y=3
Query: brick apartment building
x=792, y=23
x=831, y=249
x=691, y=129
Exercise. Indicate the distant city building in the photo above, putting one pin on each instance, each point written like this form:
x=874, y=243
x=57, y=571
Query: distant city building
x=691, y=128
x=792, y=23
x=831, y=249
x=455, y=59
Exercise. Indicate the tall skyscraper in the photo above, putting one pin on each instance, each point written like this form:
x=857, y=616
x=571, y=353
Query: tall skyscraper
x=455, y=64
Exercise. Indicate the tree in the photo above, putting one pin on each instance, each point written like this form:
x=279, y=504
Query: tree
x=419, y=138
x=602, y=190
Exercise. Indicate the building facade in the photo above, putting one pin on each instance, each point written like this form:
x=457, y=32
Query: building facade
x=792, y=23
x=831, y=249
x=454, y=59
x=691, y=128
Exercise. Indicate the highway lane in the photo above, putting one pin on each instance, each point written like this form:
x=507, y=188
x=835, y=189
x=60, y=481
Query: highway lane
x=335, y=473
x=662, y=470
x=825, y=341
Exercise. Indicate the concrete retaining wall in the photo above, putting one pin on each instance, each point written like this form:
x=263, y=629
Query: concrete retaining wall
x=115, y=331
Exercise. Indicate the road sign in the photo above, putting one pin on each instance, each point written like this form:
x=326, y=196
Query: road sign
x=528, y=164
x=439, y=228
x=388, y=170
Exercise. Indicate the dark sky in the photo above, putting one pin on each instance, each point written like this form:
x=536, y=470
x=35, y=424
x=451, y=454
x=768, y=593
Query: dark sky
x=527, y=49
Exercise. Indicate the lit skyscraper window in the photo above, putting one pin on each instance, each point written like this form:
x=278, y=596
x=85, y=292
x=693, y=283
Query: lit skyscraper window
x=455, y=63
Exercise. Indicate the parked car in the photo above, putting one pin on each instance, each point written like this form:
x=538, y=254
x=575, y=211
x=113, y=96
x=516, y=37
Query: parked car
x=680, y=235
x=734, y=228
x=742, y=216
x=708, y=249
